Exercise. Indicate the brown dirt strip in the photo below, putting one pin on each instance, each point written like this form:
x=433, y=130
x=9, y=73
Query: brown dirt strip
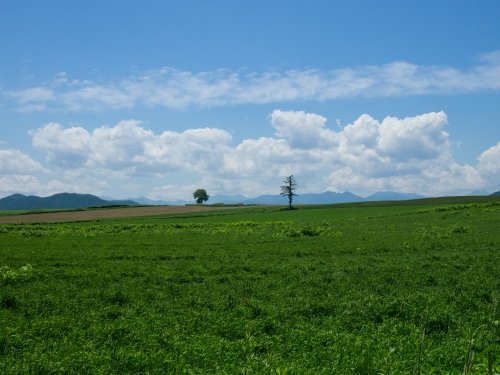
x=108, y=213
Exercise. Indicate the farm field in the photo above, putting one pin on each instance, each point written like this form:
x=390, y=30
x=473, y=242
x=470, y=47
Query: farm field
x=49, y=216
x=386, y=288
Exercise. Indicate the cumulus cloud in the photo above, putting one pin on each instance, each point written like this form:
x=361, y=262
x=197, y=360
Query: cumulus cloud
x=409, y=154
x=173, y=88
x=432, y=179
x=489, y=160
x=412, y=154
x=22, y=184
x=15, y=162
x=130, y=148
x=264, y=157
x=419, y=137
x=300, y=129
x=19, y=173
x=489, y=166
x=65, y=147
x=31, y=184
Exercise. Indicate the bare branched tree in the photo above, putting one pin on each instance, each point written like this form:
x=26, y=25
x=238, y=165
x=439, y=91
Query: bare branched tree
x=288, y=189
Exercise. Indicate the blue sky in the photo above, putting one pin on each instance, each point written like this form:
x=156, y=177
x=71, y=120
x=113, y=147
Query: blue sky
x=156, y=99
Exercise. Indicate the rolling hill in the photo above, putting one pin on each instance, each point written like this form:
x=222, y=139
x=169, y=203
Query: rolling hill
x=56, y=201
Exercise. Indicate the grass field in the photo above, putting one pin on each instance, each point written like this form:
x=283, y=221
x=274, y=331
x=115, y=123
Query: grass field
x=376, y=288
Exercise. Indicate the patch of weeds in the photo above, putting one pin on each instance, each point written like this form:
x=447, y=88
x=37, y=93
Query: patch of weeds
x=290, y=229
x=427, y=233
x=285, y=229
x=310, y=231
x=10, y=276
x=457, y=229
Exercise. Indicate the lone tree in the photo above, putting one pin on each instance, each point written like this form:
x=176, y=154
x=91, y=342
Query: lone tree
x=288, y=190
x=200, y=195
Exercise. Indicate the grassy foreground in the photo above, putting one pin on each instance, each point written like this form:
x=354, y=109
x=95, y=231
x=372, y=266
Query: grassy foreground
x=345, y=290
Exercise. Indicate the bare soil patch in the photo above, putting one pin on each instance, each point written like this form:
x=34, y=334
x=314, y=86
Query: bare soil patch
x=105, y=213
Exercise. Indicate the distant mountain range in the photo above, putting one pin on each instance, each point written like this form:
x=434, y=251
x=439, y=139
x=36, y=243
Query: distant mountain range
x=392, y=196
x=225, y=199
x=73, y=200
x=322, y=198
x=62, y=200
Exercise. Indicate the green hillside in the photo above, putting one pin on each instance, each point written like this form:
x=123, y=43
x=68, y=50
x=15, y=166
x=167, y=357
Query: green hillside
x=56, y=201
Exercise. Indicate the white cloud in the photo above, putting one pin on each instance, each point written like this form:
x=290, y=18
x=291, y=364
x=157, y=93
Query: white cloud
x=410, y=154
x=118, y=146
x=30, y=184
x=64, y=147
x=172, y=88
x=452, y=178
x=432, y=179
x=34, y=94
x=489, y=166
x=264, y=157
x=130, y=148
x=96, y=97
x=300, y=129
x=33, y=99
x=22, y=184
x=15, y=162
x=173, y=192
x=419, y=137
x=364, y=131
x=489, y=160
x=19, y=173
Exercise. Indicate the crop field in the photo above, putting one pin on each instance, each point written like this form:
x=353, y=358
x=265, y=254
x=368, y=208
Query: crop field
x=48, y=216
x=367, y=289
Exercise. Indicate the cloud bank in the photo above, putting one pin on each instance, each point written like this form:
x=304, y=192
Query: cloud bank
x=177, y=89
x=410, y=154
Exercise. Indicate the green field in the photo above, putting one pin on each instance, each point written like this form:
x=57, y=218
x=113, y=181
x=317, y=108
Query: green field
x=350, y=289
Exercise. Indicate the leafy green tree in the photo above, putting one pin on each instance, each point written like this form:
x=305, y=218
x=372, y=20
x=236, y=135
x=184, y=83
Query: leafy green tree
x=288, y=190
x=200, y=195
